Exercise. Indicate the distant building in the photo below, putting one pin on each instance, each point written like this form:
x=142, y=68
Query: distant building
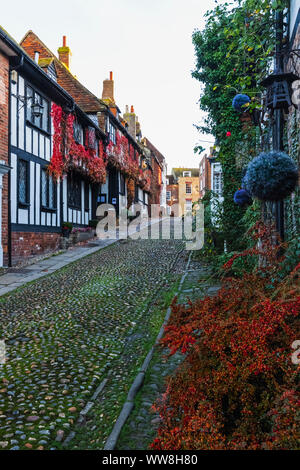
x=210, y=175
x=171, y=193
x=158, y=180
x=187, y=182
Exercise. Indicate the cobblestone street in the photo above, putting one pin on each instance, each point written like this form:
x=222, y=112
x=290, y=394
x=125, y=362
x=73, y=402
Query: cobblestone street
x=142, y=425
x=92, y=320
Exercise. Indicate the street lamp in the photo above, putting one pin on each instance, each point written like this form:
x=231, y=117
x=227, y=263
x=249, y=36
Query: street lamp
x=278, y=100
x=37, y=109
x=279, y=90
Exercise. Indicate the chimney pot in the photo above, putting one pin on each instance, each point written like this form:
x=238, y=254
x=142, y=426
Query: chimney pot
x=64, y=53
x=108, y=88
x=132, y=109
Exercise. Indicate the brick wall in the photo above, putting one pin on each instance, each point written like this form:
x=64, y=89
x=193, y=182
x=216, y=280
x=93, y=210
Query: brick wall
x=25, y=245
x=154, y=197
x=4, y=89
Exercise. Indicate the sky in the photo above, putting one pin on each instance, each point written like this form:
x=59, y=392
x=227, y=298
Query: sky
x=147, y=44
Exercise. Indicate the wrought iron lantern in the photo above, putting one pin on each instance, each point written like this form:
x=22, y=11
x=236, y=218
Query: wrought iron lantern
x=37, y=109
x=279, y=90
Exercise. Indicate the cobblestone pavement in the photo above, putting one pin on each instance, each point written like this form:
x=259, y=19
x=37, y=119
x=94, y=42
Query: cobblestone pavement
x=142, y=425
x=66, y=332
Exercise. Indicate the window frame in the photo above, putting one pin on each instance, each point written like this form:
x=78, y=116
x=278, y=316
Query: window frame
x=122, y=182
x=47, y=207
x=188, y=186
x=23, y=204
x=70, y=182
x=86, y=196
x=78, y=129
x=31, y=121
x=112, y=133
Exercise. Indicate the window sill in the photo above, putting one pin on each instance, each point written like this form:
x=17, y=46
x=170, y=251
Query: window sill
x=37, y=128
x=23, y=205
x=48, y=209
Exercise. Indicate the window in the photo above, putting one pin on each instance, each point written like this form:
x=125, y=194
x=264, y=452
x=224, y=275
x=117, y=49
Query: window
x=78, y=132
x=42, y=121
x=91, y=137
x=86, y=196
x=189, y=204
x=52, y=72
x=188, y=188
x=168, y=195
x=23, y=183
x=48, y=189
x=187, y=174
x=112, y=133
x=122, y=184
x=217, y=183
x=74, y=191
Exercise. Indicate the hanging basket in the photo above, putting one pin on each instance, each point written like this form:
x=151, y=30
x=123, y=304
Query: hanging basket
x=240, y=102
x=271, y=176
x=242, y=198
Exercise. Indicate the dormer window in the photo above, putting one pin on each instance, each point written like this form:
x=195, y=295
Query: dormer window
x=187, y=174
x=52, y=72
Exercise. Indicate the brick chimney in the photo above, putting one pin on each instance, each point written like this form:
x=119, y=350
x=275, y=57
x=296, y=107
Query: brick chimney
x=130, y=118
x=64, y=53
x=108, y=89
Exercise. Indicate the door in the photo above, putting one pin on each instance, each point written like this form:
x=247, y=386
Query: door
x=113, y=189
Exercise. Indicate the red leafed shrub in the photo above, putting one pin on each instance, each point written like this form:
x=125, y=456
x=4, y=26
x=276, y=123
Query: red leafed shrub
x=122, y=157
x=68, y=154
x=237, y=385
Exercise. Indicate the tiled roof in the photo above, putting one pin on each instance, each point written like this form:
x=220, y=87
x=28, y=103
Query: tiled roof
x=156, y=152
x=86, y=100
x=178, y=172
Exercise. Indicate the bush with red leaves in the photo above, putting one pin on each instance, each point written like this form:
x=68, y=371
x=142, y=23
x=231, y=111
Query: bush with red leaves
x=237, y=385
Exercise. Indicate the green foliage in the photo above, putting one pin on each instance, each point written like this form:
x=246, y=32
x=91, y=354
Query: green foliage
x=93, y=223
x=233, y=54
x=67, y=225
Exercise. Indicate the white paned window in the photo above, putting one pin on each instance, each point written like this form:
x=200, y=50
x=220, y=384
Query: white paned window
x=217, y=188
x=188, y=188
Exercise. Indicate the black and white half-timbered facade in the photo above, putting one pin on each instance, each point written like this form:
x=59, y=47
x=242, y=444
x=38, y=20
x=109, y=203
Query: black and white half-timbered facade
x=39, y=203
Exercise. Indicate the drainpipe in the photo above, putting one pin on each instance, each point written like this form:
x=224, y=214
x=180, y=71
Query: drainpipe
x=9, y=175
